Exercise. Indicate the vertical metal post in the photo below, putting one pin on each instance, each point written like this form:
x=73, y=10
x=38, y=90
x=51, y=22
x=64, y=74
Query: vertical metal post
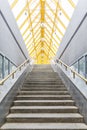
x=8, y=66
x=74, y=75
x=3, y=67
x=13, y=76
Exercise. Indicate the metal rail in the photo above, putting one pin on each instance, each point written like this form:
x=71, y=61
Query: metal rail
x=72, y=71
x=12, y=74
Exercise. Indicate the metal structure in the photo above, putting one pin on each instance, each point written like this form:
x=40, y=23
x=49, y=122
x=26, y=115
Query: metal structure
x=42, y=24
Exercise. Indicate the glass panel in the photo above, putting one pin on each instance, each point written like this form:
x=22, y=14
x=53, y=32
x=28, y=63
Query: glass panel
x=76, y=66
x=82, y=66
x=6, y=67
x=12, y=67
x=0, y=67
x=86, y=66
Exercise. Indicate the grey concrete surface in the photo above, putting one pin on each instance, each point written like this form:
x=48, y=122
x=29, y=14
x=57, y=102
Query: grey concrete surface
x=34, y=109
x=11, y=42
x=6, y=103
x=79, y=98
x=74, y=43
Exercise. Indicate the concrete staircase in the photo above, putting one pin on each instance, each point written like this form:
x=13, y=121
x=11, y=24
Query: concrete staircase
x=44, y=104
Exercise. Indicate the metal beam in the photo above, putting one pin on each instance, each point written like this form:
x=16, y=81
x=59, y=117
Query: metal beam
x=62, y=9
x=27, y=37
x=39, y=36
x=42, y=10
x=71, y=3
x=59, y=20
x=33, y=49
x=33, y=46
x=50, y=49
x=32, y=39
x=29, y=40
x=52, y=37
x=47, y=38
x=50, y=28
x=47, y=35
x=14, y=4
x=54, y=23
x=29, y=16
x=29, y=26
x=24, y=9
x=36, y=34
x=29, y=45
x=24, y=22
x=37, y=30
x=36, y=24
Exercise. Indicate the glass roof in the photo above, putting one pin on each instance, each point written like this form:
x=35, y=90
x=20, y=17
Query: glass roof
x=42, y=24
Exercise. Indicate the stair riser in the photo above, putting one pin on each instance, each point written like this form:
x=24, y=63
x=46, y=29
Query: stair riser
x=43, y=98
x=45, y=120
x=30, y=86
x=44, y=110
x=43, y=83
x=43, y=80
x=46, y=129
x=44, y=104
x=42, y=93
x=42, y=89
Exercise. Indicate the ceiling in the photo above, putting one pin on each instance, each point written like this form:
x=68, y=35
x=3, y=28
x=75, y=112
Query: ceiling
x=42, y=24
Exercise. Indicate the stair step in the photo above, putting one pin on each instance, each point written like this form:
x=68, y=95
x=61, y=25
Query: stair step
x=45, y=118
x=43, y=79
x=44, y=102
x=47, y=85
x=43, y=92
x=42, y=86
x=44, y=126
x=42, y=89
x=43, y=97
x=43, y=83
x=44, y=109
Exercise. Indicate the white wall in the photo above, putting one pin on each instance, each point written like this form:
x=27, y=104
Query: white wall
x=74, y=43
x=11, y=42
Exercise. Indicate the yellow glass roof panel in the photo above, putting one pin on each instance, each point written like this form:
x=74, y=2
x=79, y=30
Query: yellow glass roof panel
x=42, y=24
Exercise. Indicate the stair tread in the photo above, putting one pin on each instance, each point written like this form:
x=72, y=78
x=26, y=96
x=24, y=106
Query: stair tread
x=44, y=104
x=43, y=96
x=43, y=91
x=44, y=107
x=45, y=115
x=45, y=126
x=43, y=101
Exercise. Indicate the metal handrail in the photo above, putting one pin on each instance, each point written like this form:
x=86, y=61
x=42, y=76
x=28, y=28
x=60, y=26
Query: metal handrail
x=12, y=74
x=73, y=72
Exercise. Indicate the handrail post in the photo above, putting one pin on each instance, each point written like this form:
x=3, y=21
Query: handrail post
x=73, y=75
x=86, y=82
x=65, y=67
x=61, y=63
x=13, y=76
x=24, y=64
x=13, y=73
x=20, y=69
x=1, y=83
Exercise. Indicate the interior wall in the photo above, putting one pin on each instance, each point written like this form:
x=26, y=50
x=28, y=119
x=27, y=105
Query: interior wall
x=11, y=42
x=74, y=42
